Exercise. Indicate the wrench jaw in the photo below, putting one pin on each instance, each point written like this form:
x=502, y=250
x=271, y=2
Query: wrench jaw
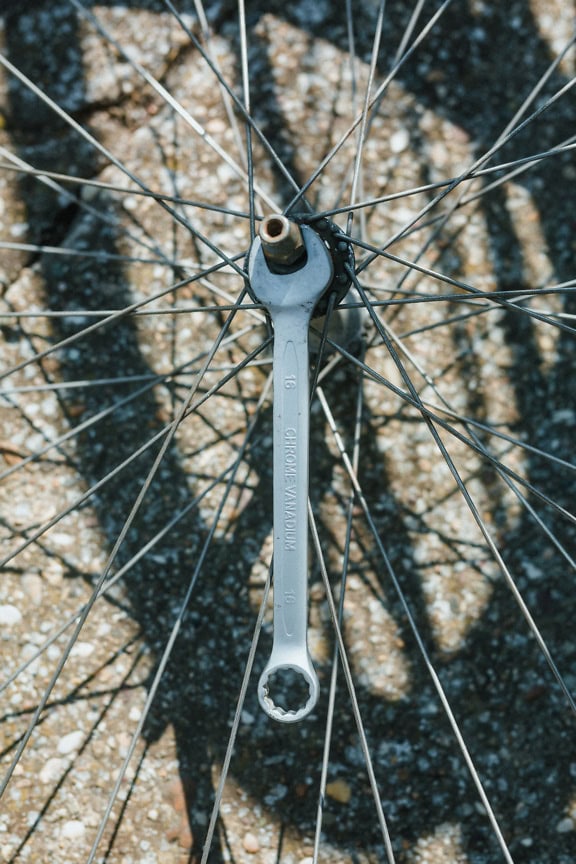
x=300, y=244
x=300, y=665
x=304, y=287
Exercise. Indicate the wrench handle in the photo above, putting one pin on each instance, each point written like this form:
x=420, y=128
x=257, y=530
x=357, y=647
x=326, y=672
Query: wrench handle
x=291, y=406
x=290, y=568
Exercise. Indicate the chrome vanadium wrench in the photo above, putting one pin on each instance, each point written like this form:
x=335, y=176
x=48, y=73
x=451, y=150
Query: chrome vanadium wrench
x=290, y=298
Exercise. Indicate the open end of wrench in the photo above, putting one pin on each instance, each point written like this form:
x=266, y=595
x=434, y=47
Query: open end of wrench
x=293, y=684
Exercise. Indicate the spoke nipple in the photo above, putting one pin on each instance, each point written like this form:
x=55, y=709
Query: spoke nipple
x=282, y=241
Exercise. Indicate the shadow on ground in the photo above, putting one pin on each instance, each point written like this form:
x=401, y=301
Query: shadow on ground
x=511, y=714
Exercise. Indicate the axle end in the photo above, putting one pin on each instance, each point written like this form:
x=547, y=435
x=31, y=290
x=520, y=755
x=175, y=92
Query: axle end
x=282, y=241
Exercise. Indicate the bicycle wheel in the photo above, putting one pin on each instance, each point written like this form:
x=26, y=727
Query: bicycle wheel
x=140, y=145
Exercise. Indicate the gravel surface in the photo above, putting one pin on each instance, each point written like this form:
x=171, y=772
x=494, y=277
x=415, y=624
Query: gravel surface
x=501, y=369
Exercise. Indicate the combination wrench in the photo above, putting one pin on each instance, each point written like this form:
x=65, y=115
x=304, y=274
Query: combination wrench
x=290, y=298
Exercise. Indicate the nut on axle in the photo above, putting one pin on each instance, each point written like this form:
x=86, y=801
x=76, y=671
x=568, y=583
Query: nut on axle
x=282, y=241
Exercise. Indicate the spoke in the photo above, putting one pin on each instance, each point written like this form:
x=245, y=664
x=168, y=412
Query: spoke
x=350, y=682
x=248, y=127
x=353, y=88
x=407, y=298
x=536, y=90
x=469, y=425
x=56, y=386
x=499, y=297
x=113, y=159
x=433, y=413
x=479, y=163
x=103, y=217
x=166, y=311
x=224, y=90
x=330, y=713
x=410, y=298
x=375, y=100
x=185, y=115
x=159, y=437
x=136, y=507
x=507, y=133
x=84, y=254
x=483, y=527
x=410, y=27
x=153, y=381
x=415, y=632
x=166, y=654
x=278, y=162
x=23, y=168
x=113, y=318
x=225, y=770
x=514, y=167
x=193, y=504
x=356, y=175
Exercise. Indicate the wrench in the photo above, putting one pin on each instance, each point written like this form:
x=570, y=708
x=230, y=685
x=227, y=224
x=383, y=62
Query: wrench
x=290, y=299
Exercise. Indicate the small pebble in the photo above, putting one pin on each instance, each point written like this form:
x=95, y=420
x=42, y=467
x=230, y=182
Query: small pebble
x=399, y=141
x=339, y=790
x=54, y=573
x=52, y=770
x=250, y=843
x=33, y=586
x=71, y=742
x=9, y=615
x=82, y=649
x=73, y=829
x=565, y=825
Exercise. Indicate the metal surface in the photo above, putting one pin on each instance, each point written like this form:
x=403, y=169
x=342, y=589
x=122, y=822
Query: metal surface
x=290, y=300
x=282, y=241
